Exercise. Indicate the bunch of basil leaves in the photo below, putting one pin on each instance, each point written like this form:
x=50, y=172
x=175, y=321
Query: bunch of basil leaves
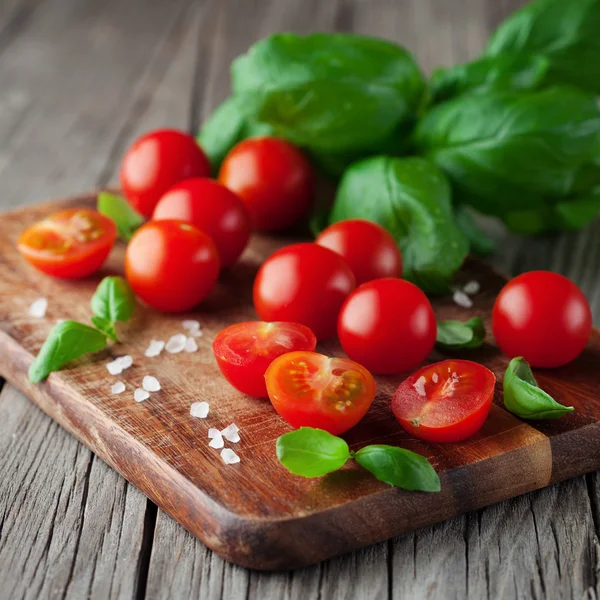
x=514, y=134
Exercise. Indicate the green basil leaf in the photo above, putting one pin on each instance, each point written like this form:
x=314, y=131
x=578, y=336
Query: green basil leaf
x=456, y=335
x=399, y=467
x=106, y=327
x=329, y=92
x=120, y=211
x=113, y=300
x=524, y=398
x=479, y=242
x=566, y=31
x=312, y=452
x=410, y=197
x=518, y=153
x=66, y=342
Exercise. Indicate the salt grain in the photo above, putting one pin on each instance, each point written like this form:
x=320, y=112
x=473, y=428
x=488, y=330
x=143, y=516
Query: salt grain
x=191, y=345
x=462, y=299
x=434, y=378
x=154, y=348
x=140, y=395
x=213, y=433
x=38, y=308
x=229, y=456
x=471, y=288
x=125, y=361
x=117, y=366
x=118, y=387
x=190, y=324
x=176, y=343
x=150, y=384
x=217, y=442
x=199, y=410
x=419, y=386
x=230, y=433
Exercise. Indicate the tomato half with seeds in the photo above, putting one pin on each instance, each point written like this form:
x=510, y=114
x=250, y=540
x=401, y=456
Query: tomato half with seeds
x=445, y=402
x=313, y=390
x=69, y=244
x=244, y=351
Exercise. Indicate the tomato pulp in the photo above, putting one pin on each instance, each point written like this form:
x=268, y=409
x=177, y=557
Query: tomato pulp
x=69, y=244
x=445, y=402
x=543, y=317
x=313, y=390
x=244, y=351
x=303, y=283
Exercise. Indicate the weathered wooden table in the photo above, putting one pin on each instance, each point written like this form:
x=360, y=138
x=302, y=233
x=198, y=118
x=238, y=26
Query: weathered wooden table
x=79, y=79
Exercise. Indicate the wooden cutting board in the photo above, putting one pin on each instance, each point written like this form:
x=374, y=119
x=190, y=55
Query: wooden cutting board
x=255, y=513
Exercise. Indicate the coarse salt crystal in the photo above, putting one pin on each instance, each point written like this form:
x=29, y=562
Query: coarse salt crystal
x=114, y=367
x=419, y=386
x=434, y=378
x=150, y=384
x=190, y=324
x=230, y=433
x=195, y=333
x=229, y=456
x=199, y=410
x=471, y=288
x=213, y=433
x=125, y=361
x=38, y=308
x=191, y=345
x=462, y=299
x=176, y=343
x=217, y=441
x=140, y=395
x=118, y=387
x=154, y=348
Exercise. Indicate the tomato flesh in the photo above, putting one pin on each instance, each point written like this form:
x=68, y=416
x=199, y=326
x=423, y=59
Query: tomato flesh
x=244, y=351
x=313, y=390
x=445, y=402
x=69, y=244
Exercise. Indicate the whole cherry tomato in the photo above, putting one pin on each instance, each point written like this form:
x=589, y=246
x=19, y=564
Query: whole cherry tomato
x=445, y=402
x=155, y=162
x=312, y=390
x=368, y=249
x=244, y=351
x=303, y=283
x=387, y=325
x=542, y=316
x=171, y=265
x=69, y=244
x=273, y=178
x=214, y=209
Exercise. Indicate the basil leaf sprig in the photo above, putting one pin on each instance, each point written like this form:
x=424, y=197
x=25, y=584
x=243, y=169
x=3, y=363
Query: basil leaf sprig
x=313, y=452
x=457, y=335
x=113, y=301
x=117, y=209
x=524, y=398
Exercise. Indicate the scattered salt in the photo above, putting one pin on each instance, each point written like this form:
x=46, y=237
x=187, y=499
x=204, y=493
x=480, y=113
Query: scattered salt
x=176, y=343
x=118, y=387
x=471, y=288
x=190, y=324
x=229, y=456
x=154, y=348
x=199, y=410
x=419, y=386
x=213, y=433
x=125, y=361
x=217, y=442
x=230, y=433
x=462, y=299
x=38, y=308
x=191, y=345
x=140, y=395
x=117, y=366
x=434, y=378
x=150, y=384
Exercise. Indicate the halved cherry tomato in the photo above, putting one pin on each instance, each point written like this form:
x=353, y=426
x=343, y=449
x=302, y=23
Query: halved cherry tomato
x=445, y=402
x=155, y=162
x=313, y=390
x=171, y=265
x=69, y=244
x=368, y=249
x=244, y=351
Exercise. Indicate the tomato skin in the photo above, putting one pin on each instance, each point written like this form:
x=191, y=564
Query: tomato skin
x=244, y=351
x=171, y=265
x=155, y=162
x=445, y=402
x=303, y=283
x=542, y=316
x=69, y=244
x=309, y=389
x=274, y=180
x=212, y=208
x=387, y=325
x=368, y=249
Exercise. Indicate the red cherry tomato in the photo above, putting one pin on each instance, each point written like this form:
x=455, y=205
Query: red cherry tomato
x=387, y=325
x=303, y=283
x=312, y=390
x=245, y=350
x=542, y=316
x=69, y=244
x=273, y=178
x=445, y=402
x=171, y=265
x=368, y=249
x=155, y=162
x=214, y=209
